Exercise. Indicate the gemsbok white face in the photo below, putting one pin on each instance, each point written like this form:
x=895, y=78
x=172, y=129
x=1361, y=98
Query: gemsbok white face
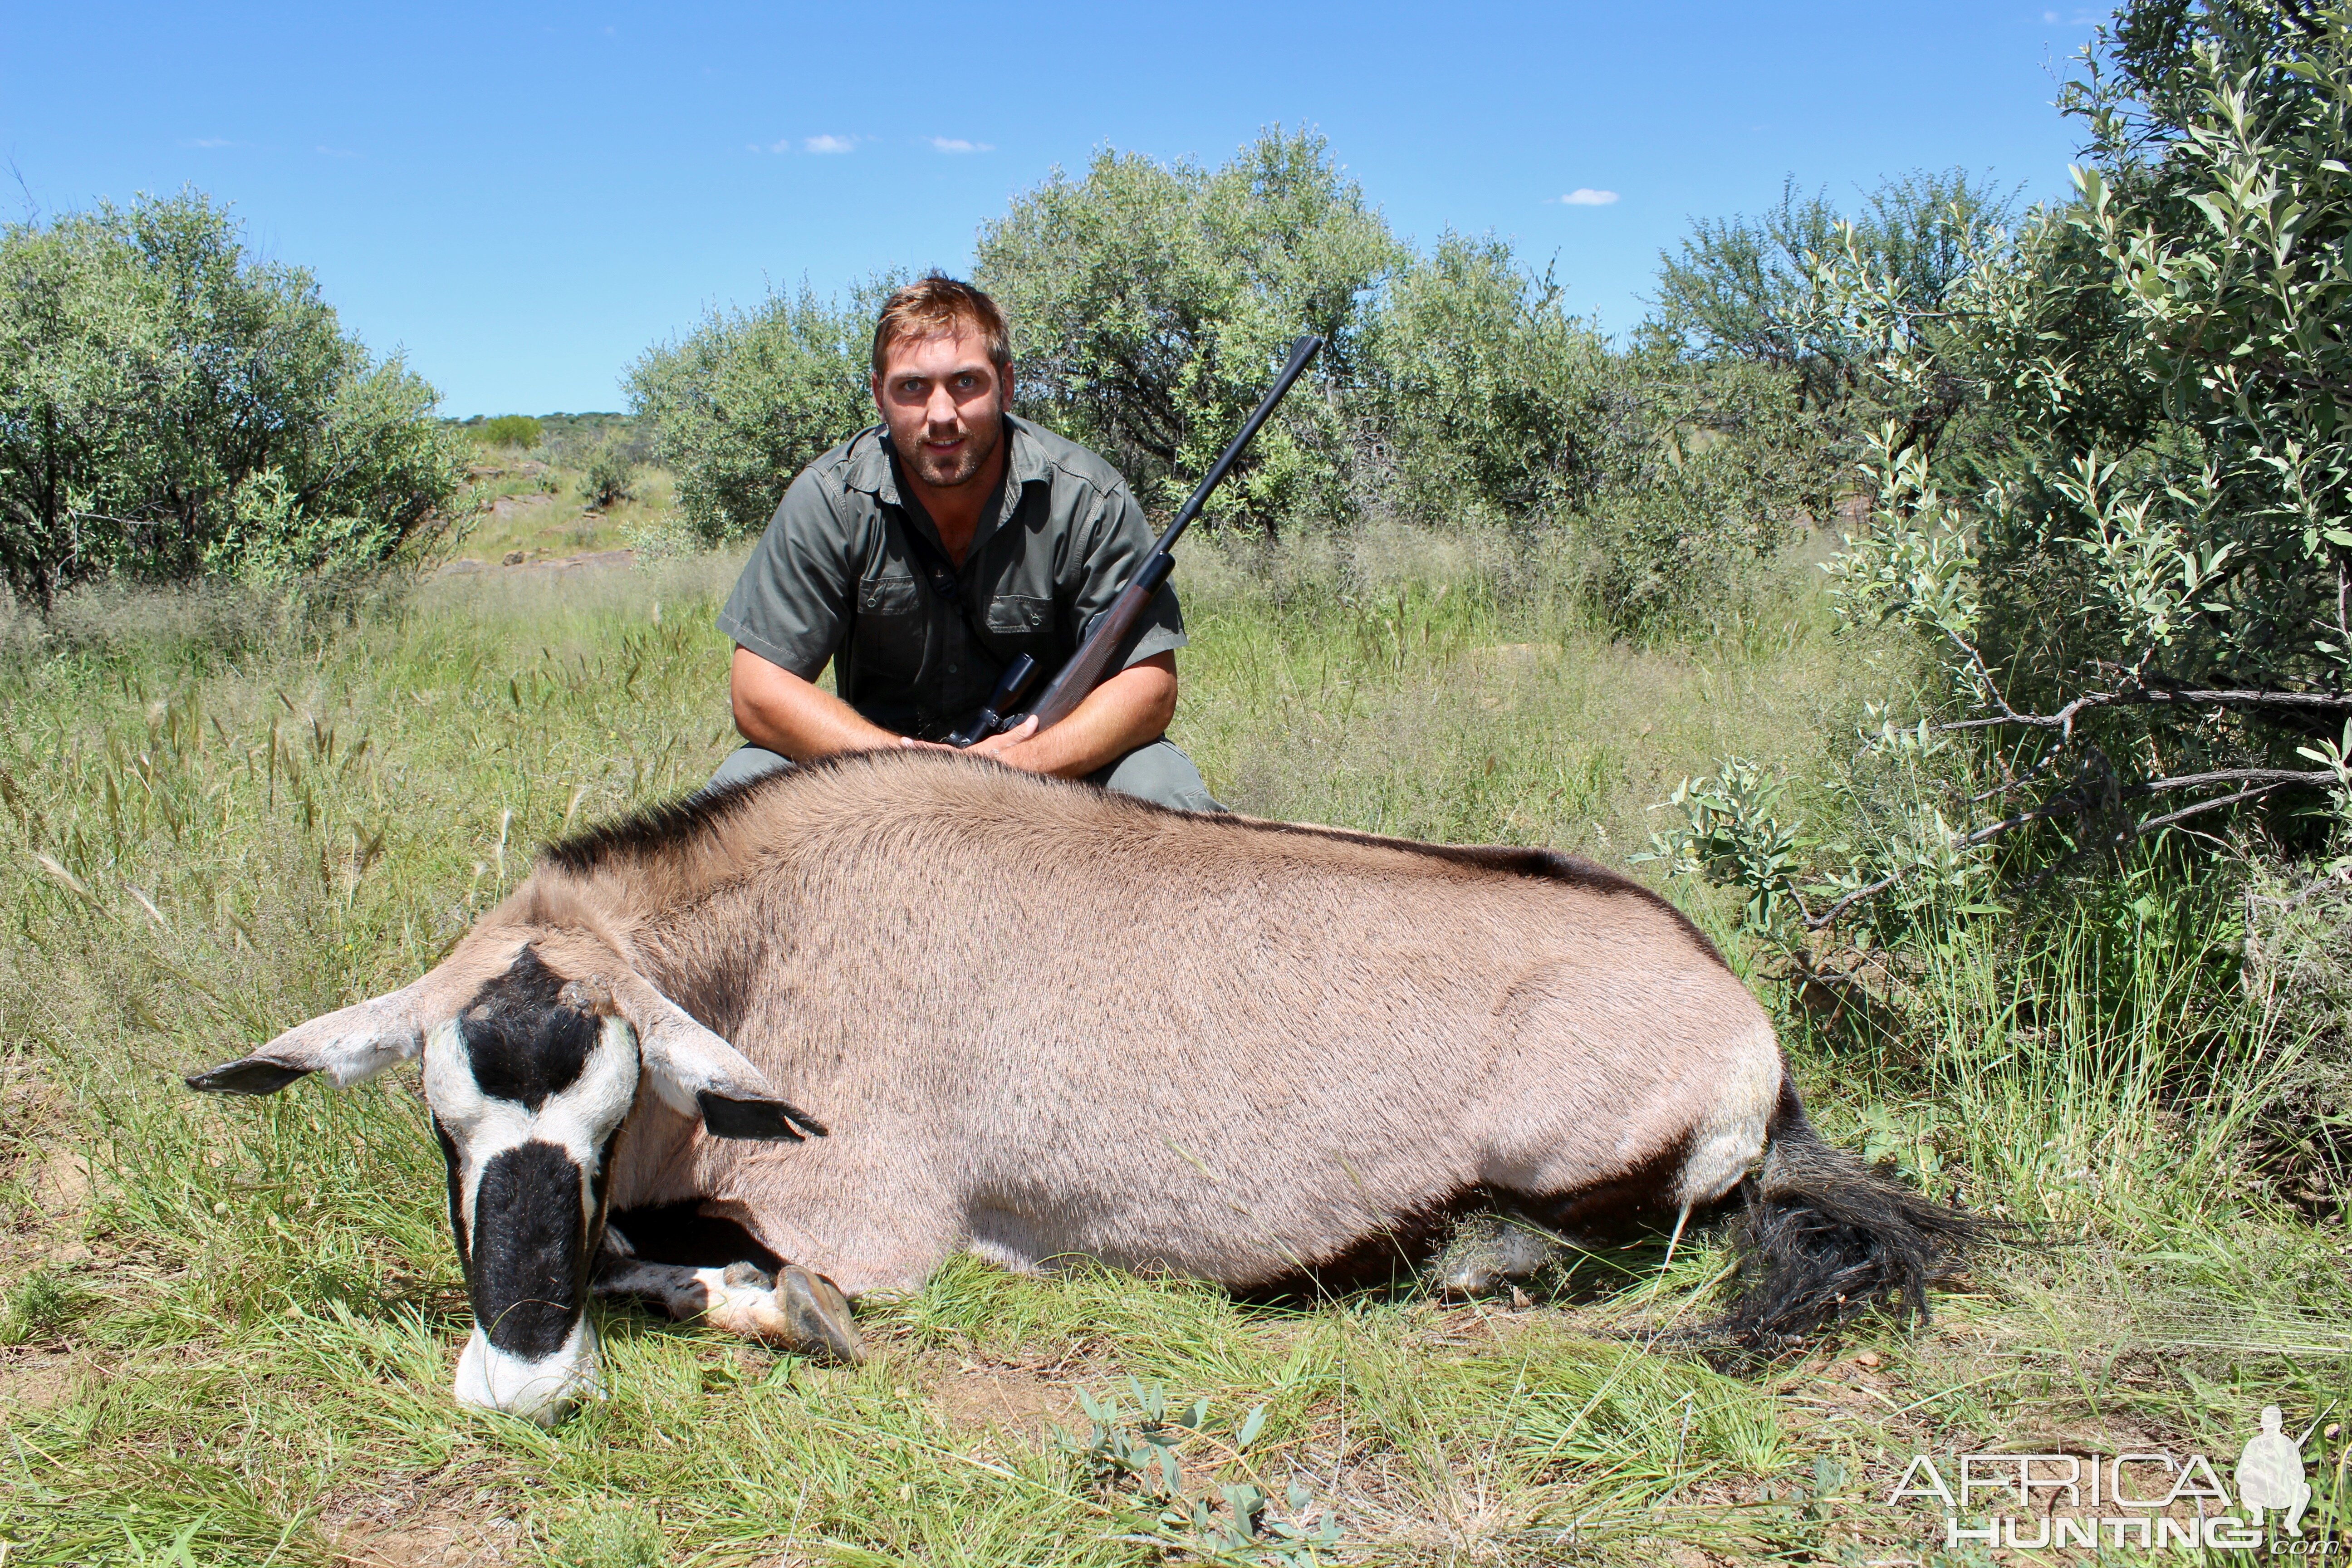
x=530, y=1074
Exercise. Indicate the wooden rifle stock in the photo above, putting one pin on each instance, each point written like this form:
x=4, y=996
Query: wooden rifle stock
x=1108, y=639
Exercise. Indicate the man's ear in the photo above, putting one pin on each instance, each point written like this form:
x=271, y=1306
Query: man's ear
x=698, y=1074
x=350, y=1046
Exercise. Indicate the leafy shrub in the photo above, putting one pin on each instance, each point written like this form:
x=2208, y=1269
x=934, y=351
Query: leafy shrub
x=741, y=404
x=1149, y=303
x=1709, y=468
x=1495, y=402
x=608, y=475
x=2134, y=568
x=512, y=430
x=171, y=407
x=1742, y=288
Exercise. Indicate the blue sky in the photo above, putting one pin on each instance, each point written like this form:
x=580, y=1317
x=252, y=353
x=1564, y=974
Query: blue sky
x=521, y=198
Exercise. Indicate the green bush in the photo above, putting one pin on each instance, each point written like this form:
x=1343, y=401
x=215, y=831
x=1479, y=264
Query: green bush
x=1708, y=469
x=2160, y=504
x=171, y=407
x=2134, y=567
x=608, y=475
x=741, y=404
x=518, y=430
x=1742, y=288
x=1151, y=303
x=1495, y=403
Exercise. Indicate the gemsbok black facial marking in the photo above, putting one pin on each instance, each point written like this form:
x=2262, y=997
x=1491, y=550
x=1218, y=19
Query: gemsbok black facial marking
x=522, y=1041
x=528, y=1084
x=456, y=1167
x=530, y=1074
x=529, y=1257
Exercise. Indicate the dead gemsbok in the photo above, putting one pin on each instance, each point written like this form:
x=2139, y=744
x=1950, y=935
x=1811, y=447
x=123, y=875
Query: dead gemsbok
x=1037, y=1020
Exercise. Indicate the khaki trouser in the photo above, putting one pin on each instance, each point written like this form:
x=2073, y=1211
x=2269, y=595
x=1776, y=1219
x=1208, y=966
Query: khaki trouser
x=1158, y=773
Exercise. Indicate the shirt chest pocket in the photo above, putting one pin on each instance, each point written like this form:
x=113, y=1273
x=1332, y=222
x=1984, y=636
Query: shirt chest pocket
x=891, y=631
x=1021, y=623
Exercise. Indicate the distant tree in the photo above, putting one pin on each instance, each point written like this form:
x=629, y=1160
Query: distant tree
x=172, y=407
x=1743, y=287
x=512, y=430
x=743, y=402
x=1149, y=303
x=607, y=475
x=1495, y=401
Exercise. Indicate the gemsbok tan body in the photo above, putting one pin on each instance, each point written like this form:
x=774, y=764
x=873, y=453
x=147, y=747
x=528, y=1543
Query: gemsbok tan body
x=1040, y=1021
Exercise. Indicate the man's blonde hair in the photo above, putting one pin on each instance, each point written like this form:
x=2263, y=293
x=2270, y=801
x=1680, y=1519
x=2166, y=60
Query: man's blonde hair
x=936, y=305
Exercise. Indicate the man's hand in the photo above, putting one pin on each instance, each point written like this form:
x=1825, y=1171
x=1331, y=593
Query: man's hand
x=1130, y=709
x=778, y=711
x=998, y=746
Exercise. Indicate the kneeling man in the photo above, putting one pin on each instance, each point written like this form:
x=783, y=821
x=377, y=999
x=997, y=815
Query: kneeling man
x=926, y=553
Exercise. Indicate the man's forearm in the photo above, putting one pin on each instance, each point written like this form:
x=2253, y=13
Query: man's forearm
x=1130, y=709
x=795, y=717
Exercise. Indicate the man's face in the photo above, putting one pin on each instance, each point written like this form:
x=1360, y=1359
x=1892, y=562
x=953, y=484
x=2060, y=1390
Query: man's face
x=945, y=404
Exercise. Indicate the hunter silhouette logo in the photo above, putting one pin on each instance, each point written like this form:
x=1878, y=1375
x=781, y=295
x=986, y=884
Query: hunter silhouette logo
x=2270, y=1474
x=2158, y=1500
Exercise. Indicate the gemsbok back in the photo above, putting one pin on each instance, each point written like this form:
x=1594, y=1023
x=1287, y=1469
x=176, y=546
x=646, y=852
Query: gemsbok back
x=1040, y=1021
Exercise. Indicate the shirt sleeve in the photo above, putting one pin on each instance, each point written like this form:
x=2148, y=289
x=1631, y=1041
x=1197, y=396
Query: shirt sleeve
x=1115, y=540
x=792, y=605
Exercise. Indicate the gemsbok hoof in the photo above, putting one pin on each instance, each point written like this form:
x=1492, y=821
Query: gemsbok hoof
x=818, y=1317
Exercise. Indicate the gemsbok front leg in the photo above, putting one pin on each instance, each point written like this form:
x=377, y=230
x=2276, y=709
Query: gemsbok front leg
x=792, y=1310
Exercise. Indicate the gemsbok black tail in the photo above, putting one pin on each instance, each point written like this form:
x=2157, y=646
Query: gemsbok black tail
x=1825, y=1238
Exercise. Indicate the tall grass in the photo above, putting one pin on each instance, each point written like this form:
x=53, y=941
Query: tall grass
x=233, y=1343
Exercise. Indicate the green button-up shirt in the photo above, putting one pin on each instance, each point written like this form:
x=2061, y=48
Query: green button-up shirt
x=834, y=578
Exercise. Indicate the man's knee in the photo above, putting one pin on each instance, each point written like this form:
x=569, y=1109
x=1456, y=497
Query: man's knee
x=1161, y=775
x=745, y=763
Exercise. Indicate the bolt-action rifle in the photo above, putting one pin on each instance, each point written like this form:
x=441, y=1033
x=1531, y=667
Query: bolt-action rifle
x=1108, y=636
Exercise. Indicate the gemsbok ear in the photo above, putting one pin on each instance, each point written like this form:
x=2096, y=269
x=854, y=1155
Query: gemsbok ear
x=350, y=1046
x=699, y=1075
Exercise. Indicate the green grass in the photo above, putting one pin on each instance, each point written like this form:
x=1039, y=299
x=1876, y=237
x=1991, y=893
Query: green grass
x=226, y=1333
x=534, y=509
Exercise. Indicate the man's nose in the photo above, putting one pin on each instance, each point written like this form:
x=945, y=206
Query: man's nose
x=942, y=410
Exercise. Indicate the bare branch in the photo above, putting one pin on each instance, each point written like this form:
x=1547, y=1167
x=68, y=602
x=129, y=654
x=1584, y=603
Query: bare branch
x=2153, y=823
x=2269, y=778
x=2156, y=696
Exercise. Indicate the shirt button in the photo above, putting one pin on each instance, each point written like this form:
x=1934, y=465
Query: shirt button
x=952, y=670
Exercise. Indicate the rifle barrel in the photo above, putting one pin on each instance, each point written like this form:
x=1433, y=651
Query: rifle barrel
x=1301, y=353
x=1092, y=661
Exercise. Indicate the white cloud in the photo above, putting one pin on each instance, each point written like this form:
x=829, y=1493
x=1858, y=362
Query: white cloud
x=1586, y=196
x=958, y=144
x=830, y=144
x=212, y=141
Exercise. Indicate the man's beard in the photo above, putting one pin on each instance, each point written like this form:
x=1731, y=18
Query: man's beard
x=979, y=446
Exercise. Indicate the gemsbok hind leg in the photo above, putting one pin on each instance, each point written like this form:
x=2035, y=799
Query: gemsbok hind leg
x=794, y=1310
